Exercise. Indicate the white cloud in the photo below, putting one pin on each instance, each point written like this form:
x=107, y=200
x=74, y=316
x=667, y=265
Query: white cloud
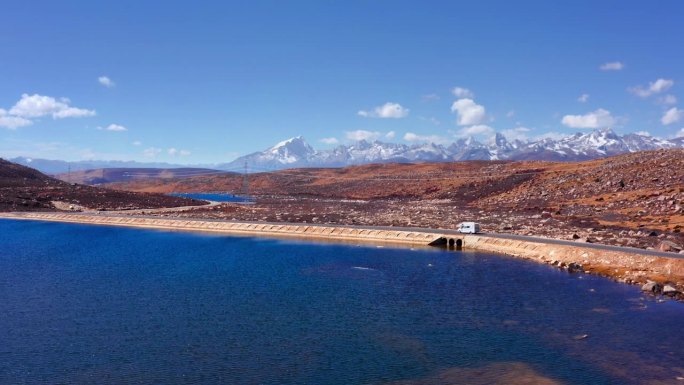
x=510, y=114
x=643, y=133
x=517, y=133
x=106, y=81
x=113, y=127
x=12, y=122
x=174, y=152
x=478, y=129
x=387, y=110
x=680, y=134
x=330, y=140
x=137, y=143
x=612, y=66
x=653, y=88
x=583, y=98
x=552, y=135
x=35, y=106
x=362, y=135
x=430, y=97
x=390, y=135
x=411, y=137
x=469, y=112
x=598, y=119
x=72, y=112
x=462, y=93
x=151, y=152
x=673, y=115
x=668, y=100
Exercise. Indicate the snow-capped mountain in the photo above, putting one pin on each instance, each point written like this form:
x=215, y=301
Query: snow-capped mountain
x=295, y=152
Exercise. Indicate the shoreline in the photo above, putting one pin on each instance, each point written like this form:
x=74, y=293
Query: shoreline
x=306, y=231
x=619, y=264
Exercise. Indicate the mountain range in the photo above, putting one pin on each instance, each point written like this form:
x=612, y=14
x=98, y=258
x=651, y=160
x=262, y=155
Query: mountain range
x=296, y=152
x=52, y=166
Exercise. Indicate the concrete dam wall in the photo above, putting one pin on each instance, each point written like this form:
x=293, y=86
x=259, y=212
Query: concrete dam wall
x=240, y=228
x=628, y=265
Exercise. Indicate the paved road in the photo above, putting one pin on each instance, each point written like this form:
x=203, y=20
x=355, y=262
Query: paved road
x=596, y=246
x=550, y=241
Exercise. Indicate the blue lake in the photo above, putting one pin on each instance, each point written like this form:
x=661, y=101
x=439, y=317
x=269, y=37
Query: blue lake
x=85, y=304
x=214, y=197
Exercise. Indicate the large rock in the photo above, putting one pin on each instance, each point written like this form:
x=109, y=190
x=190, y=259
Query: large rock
x=668, y=246
x=652, y=287
x=670, y=290
x=575, y=268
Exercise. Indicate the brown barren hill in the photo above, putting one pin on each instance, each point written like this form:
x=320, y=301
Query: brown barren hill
x=631, y=186
x=631, y=200
x=374, y=181
x=25, y=189
x=110, y=175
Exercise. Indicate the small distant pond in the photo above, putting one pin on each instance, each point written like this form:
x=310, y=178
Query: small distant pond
x=217, y=197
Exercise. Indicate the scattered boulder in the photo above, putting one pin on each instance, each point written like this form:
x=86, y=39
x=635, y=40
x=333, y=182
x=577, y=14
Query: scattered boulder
x=575, y=267
x=670, y=290
x=652, y=287
x=668, y=246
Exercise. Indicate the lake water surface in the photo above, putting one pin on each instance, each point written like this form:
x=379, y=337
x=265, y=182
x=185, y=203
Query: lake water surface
x=87, y=304
x=215, y=197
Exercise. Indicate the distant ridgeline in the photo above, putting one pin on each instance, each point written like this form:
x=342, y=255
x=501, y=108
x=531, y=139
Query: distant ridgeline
x=296, y=152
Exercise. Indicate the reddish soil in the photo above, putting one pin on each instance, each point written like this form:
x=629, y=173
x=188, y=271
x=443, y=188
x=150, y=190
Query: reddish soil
x=630, y=200
x=25, y=189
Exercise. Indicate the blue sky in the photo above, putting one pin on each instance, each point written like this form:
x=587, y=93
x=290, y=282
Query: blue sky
x=206, y=82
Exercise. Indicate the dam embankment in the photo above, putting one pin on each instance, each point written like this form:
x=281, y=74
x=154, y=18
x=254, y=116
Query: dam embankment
x=339, y=233
x=623, y=264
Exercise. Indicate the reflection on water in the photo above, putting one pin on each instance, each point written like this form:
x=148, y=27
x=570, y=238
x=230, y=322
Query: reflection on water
x=86, y=304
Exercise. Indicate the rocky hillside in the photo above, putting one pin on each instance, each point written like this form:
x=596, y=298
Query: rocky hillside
x=644, y=189
x=25, y=189
x=111, y=175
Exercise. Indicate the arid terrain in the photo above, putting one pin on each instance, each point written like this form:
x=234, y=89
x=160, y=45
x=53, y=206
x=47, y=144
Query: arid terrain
x=25, y=189
x=629, y=200
x=110, y=175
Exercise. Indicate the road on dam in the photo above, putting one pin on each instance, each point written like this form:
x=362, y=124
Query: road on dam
x=514, y=237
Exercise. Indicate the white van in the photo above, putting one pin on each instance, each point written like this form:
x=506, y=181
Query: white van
x=468, y=228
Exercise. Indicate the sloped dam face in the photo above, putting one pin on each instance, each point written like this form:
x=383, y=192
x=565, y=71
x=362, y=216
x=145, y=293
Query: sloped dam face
x=88, y=304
